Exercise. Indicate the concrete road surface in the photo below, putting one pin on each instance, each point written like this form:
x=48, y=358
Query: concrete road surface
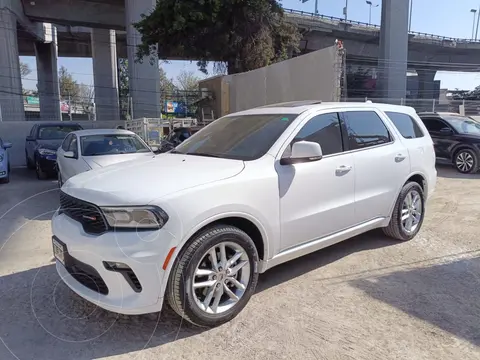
x=366, y=298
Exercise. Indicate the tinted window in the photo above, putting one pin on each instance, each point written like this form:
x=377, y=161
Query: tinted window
x=55, y=132
x=406, y=125
x=463, y=124
x=243, y=137
x=325, y=130
x=94, y=145
x=66, y=142
x=365, y=129
x=434, y=124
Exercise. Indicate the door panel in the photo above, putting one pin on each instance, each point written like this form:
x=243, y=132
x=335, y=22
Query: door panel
x=378, y=177
x=381, y=162
x=317, y=198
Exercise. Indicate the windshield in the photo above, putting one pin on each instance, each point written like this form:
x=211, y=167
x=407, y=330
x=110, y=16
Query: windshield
x=55, y=132
x=463, y=124
x=93, y=145
x=243, y=137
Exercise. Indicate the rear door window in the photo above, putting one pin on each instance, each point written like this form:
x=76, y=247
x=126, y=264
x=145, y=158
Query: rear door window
x=405, y=124
x=364, y=129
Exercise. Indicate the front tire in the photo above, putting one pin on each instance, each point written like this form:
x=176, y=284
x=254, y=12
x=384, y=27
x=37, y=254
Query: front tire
x=41, y=175
x=29, y=163
x=408, y=213
x=214, y=276
x=60, y=181
x=466, y=161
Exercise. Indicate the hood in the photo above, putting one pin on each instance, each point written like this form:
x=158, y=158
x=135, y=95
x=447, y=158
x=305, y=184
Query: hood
x=49, y=144
x=96, y=162
x=141, y=181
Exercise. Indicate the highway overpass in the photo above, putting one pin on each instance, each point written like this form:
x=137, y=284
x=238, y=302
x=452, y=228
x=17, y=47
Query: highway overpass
x=426, y=53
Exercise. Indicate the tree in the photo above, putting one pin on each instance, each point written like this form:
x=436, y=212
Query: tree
x=243, y=34
x=123, y=87
x=24, y=69
x=166, y=84
x=68, y=86
x=187, y=81
x=86, y=99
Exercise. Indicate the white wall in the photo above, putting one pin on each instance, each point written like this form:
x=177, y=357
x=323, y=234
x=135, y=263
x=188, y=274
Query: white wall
x=16, y=132
x=313, y=76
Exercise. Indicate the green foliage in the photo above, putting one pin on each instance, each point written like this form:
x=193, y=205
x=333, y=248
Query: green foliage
x=244, y=34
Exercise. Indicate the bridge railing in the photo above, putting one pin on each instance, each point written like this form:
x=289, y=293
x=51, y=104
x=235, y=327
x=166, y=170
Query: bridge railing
x=313, y=16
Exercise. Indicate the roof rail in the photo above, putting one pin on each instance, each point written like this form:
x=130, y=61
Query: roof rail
x=293, y=103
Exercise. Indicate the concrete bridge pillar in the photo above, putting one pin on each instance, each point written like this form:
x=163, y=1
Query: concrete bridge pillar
x=46, y=54
x=426, y=83
x=11, y=98
x=104, y=54
x=144, y=78
x=393, y=51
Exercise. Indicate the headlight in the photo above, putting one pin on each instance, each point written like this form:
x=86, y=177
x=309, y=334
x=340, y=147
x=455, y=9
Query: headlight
x=45, y=152
x=1, y=158
x=135, y=217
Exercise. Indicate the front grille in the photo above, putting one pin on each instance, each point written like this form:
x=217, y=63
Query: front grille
x=86, y=275
x=87, y=214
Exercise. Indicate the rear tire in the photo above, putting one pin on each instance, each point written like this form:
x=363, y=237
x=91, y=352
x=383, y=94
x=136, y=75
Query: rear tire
x=466, y=161
x=230, y=284
x=410, y=206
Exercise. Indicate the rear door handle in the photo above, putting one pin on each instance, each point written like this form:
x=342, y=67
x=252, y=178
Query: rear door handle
x=400, y=157
x=342, y=170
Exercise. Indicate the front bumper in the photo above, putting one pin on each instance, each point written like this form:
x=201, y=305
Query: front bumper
x=48, y=163
x=143, y=252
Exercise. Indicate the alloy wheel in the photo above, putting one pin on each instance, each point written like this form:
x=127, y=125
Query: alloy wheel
x=412, y=209
x=464, y=161
x=221, y=278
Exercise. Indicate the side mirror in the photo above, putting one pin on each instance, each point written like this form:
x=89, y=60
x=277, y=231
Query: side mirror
x=303, y=151
x=446, y=131
x=155, y=149
x=30, y=138
x=69, y=154
x=7, y=145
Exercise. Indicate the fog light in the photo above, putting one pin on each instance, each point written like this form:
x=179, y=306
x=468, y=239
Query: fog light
x=115, y=266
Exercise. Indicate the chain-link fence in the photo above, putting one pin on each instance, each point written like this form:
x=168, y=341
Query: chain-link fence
x=470, y=107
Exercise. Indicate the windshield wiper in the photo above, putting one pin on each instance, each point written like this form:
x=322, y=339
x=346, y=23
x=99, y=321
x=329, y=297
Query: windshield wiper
x=204, y=154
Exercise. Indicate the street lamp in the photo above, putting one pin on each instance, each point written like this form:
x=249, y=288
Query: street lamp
x=369, y=3
x=474, y=11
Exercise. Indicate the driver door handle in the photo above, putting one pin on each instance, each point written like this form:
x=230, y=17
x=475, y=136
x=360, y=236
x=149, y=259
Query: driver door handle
x=400, y=157
x=342, y=170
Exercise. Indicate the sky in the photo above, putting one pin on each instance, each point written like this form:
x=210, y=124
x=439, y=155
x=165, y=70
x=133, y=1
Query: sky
x=439, y=17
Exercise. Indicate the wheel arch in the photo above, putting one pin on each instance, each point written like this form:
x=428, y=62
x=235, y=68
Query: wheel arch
x=460, y=147
x=419, y=178
x=245, y=222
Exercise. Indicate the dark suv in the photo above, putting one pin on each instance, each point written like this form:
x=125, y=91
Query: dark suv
x=456, y=139
x=42, y=143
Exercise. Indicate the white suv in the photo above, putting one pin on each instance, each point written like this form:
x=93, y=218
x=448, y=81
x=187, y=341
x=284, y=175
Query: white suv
x=250, y=191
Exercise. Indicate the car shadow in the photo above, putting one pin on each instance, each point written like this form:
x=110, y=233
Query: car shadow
x=445, y=295
x=374, y=239
x=449, y=172
x=43, y=319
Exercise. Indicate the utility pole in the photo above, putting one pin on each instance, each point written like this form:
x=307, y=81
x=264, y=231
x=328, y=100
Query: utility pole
x=69, y=107
x=476, y=31
x=474, y=11
x=345, y=10
x=370, y=4
x=410, y=16
x=316, y=5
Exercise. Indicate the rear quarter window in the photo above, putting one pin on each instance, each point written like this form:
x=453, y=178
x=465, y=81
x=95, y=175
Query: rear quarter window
x=405, y=124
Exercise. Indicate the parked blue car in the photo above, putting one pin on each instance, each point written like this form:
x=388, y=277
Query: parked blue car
x=4, y=162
